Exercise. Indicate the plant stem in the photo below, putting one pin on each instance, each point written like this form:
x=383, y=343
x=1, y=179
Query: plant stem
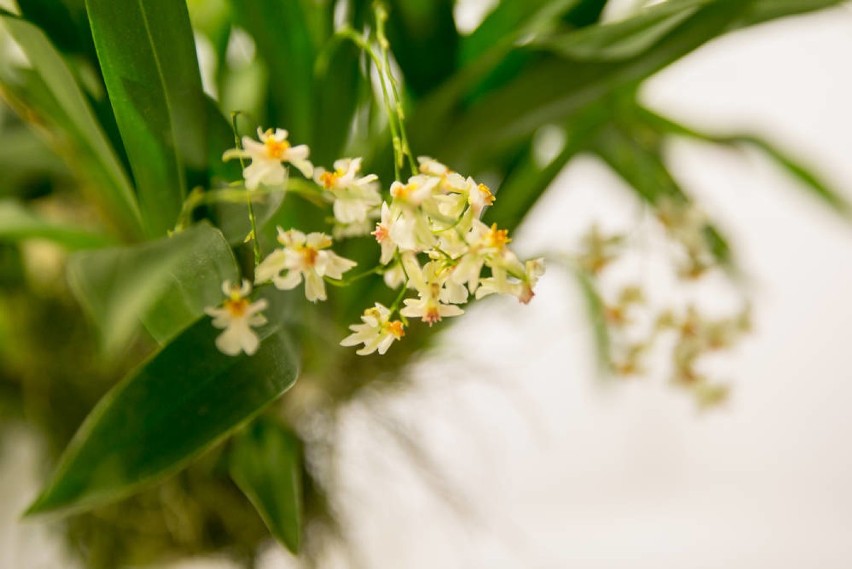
x=252, y=221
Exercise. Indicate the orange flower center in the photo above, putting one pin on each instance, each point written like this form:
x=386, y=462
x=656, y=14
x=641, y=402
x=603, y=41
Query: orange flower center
x=395, y=328
x=275, y=148
x=497, y=238
x=309, y=256
x=329, y=179
x=236, y=307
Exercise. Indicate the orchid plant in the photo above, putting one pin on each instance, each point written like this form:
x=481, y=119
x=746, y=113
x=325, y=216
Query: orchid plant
x=196, y=266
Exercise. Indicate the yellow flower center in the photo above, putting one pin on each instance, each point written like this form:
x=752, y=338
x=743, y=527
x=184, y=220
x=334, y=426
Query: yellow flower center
x=329, y=179
x=497, y=238
x=395, y=328
x=488, y=197
x=275, y=149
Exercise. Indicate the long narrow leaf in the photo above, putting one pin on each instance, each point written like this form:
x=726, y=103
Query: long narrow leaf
x=97, y=160
x=147, y=56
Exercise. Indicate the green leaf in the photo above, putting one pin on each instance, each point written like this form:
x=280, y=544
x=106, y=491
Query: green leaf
x=623, y=39
x=282, y=34
x=93, y=156
x=18, y=223
x=64, y=21
x=552, y=88
x=806, y=176
x=424, y=40
x=508, y=21
x=266, y=465
x=527, y=180
x=147, y=56
x=636, y=156
x=596, y=311
x=338, y=82
x=765, y=10
x=165, y=283
x=182, y=401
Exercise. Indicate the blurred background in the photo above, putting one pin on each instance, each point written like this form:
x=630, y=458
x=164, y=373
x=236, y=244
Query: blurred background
x=527, y=459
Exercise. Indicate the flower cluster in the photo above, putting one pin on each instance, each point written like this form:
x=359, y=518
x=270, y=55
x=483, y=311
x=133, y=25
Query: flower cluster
x=433, y=246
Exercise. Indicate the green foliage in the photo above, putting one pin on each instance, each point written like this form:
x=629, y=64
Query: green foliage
x=62, y=102
x=17, y=223
x=182, y=401
x=147, y=56
x=165, y=283
x=266, y=464
x=147, y=155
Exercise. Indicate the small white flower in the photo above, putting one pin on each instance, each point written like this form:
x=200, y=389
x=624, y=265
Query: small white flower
x=268, y=157
x=486, y=245
x=237, y=316
x=383, y=235
x=432, y=167
x=377, y=332
x=479, y=197
x=521, y=288
x=354, y=197
x=429, y=283
x=303, y=256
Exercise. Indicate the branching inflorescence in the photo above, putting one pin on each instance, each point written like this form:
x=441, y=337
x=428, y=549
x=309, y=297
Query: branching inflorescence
x=433, y=247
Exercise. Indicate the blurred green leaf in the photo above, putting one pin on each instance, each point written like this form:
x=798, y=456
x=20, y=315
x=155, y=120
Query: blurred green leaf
x=282, y=35
x=147, y=56
x=266, y=465
x=165, y=283
x=182, y=401
x=637, y=158
x=765, y=10
x=338, y=83
x=18, y=223
x=527, y=180
x=623, y=39
x=424, y=40
x=792, y=166
x=64, y=21
x=94, y=157
x=596, y=311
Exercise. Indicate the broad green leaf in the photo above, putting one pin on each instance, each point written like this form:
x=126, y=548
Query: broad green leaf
x=266, y=464
x=18, y=223
x=182, y=401
x=165, y=283
x=147, y=56
x=281, y=33
x=94, y=157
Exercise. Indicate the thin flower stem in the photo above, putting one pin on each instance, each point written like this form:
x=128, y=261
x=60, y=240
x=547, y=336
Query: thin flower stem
x=381, y=15
x=252, y=221
x=378, y=269
x=393, y=117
